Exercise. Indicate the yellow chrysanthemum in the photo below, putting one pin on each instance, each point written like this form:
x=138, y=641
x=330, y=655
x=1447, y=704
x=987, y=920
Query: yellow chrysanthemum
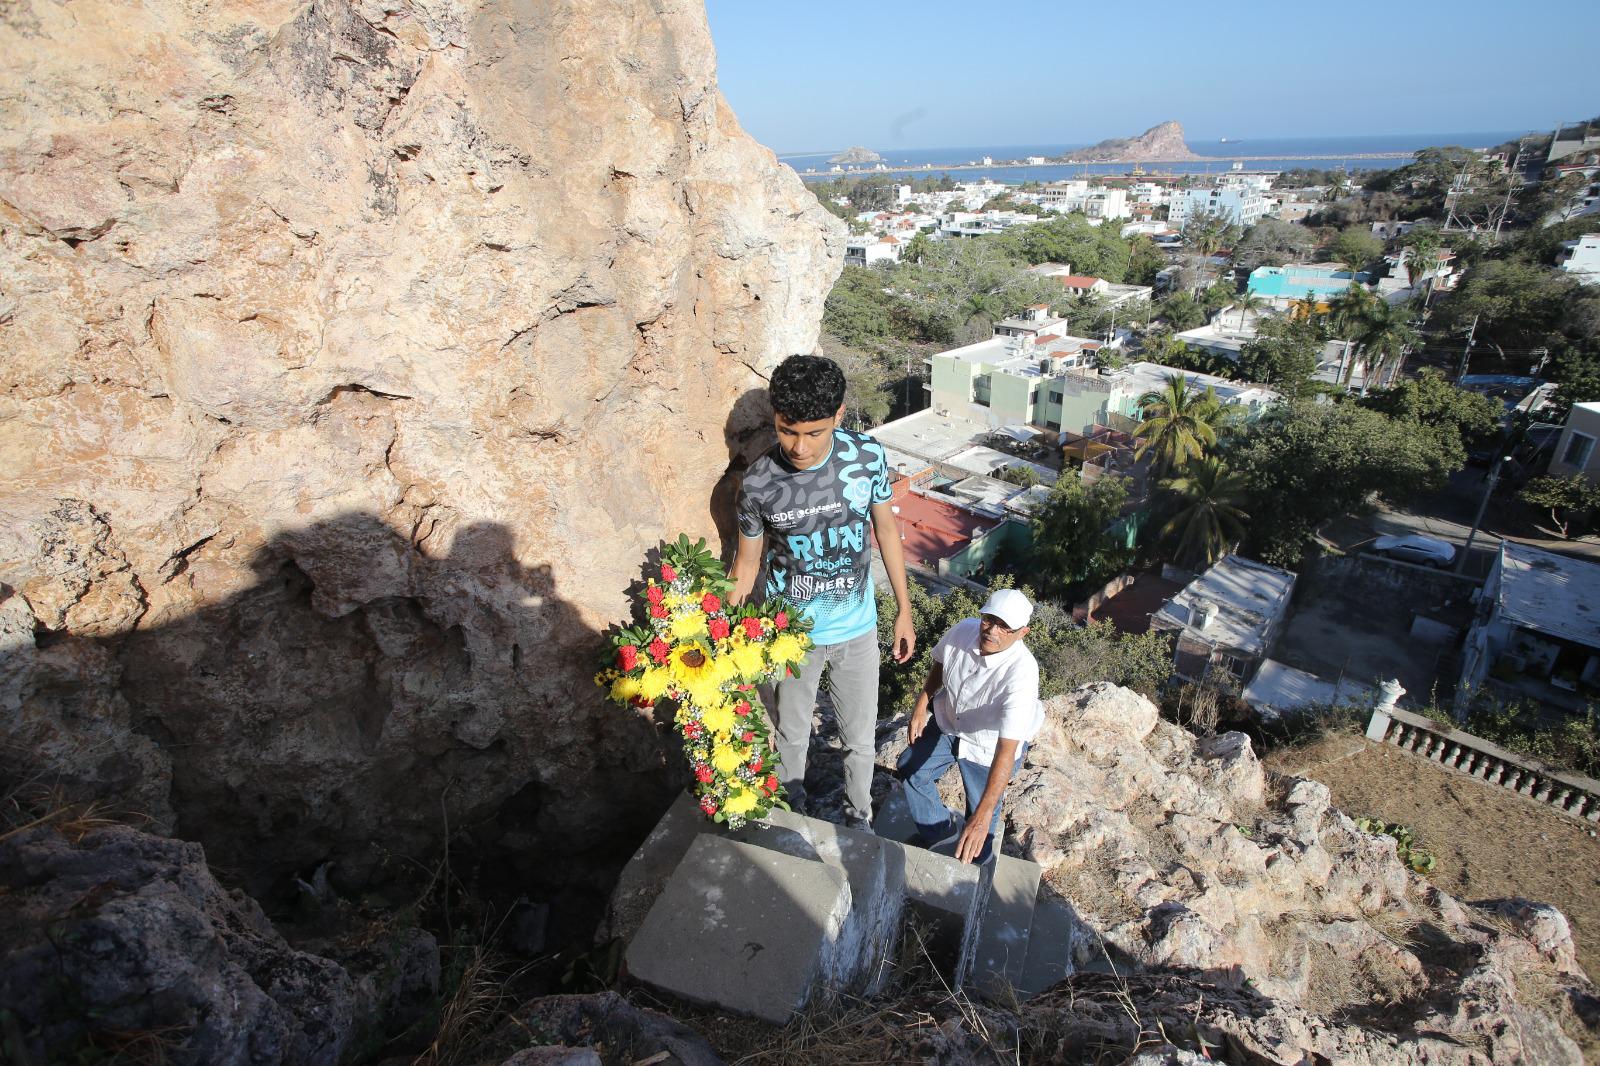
x=718, y=719
x=727, y=757
x=724, y=670
x=705, y=692
x=624, y=688
x=787, y=648
x=654, y=682
x=740, y=801
x=688, y=626
x=746, y=658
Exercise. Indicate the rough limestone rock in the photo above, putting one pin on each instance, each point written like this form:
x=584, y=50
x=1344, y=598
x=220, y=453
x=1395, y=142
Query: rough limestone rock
x=1161, y=143
x=353, y=355
x=1185, y=866
x=122, y=932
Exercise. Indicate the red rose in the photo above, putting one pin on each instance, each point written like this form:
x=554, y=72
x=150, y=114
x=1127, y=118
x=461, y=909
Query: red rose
x=719, y=629
x=741, y=708
x=710, y=604
x=747, y=736
x=659, y=651
x=755, y=765
x=668, y=573
x=708, y=804
x=702, y=773
x=780, y=620
x=640, y=701
x=772, y=783
x=627, y=657
x=752, y=628
x=691, y=729
x=654, y=594
x=658, y=611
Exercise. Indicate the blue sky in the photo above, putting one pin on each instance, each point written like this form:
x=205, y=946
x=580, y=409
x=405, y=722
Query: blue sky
x=823, y=74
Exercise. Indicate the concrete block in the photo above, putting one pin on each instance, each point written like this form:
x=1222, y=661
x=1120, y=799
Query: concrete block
x=1002, y=944
x=875, y=868
x=647, y=872
x=894, y=817
x=1050, y=941
x=742, y=928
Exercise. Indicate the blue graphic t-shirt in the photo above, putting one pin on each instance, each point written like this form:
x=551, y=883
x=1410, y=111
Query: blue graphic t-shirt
x=817, y=525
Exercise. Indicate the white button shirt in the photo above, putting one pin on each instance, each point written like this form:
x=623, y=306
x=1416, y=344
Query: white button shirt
x=985, y=698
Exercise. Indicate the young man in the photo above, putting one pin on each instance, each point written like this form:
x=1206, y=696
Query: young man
x=983, y=690
x=804, y=512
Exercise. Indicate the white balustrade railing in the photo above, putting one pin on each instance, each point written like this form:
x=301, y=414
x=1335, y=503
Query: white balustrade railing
x=1571, y=794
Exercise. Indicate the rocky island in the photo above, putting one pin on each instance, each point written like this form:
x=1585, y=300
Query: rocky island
x=856, y=154
x=1162, y=143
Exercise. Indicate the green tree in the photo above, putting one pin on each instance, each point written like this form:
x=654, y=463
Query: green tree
x=1179, y=424
x=1145, y=260
x=1308, y=463
x=1210, y=518
x=1347, y=316
x=1355, y=248
x=1423, y=245
x=1283, y=354
x=1431, y=400
x=1181, y=310
x=857, y=312
x=1577, y=378
x=1571, y=501
x=1272, y=242
x=1247, y=303
x=1019, y=474
x=916, y=248
x=1073, y=547
x=1384, y=336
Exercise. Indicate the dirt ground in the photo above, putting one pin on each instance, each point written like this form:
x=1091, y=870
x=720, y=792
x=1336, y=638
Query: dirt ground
x=1490, y=843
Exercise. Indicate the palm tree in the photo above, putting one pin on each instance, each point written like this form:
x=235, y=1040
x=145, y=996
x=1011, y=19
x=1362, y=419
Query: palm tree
x=1347, y=315
x=1338, y=182
x=1247, y=302
x=1209, y=519
x=982, y=309
x=1422, y=259
x=1179, y=423
x=1384, y=337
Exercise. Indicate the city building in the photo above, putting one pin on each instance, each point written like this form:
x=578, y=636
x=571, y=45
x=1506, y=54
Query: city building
x=1098, y=202
x=1052, y=383
x=1242, y=205
x=865, y=251
x=1575, y=451
x=1228, y=617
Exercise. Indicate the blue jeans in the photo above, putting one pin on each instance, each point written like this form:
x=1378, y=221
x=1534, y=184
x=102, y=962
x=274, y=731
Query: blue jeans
x=920, y=768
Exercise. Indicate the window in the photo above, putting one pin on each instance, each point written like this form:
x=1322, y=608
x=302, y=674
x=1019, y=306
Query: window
x=1579, y=447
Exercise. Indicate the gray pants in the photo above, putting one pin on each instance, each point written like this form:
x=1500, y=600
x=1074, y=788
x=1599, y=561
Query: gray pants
x=853, y=686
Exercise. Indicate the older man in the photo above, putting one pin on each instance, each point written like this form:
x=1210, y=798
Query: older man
x=978, y=710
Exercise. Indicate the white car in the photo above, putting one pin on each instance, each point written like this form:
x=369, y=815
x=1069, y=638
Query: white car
x=1415, y=548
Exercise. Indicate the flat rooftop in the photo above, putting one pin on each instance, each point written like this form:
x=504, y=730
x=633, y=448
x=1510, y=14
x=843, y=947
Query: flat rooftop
x=1550, y=593
x=931, y=530
x=1152, y=377
x=1248, y=596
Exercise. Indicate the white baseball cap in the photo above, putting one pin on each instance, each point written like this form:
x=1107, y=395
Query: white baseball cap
x=1010, y=606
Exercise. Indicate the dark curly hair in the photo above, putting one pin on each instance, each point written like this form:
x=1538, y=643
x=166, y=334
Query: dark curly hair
x=807, y=388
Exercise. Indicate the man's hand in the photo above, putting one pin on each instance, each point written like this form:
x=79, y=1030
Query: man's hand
x=974, y=835
x=905, y=638
x=919, y=720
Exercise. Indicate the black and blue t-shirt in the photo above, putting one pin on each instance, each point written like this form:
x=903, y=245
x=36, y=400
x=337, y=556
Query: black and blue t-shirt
x=817, y=523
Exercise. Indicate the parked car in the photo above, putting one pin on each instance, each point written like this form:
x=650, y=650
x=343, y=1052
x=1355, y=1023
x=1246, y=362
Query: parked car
x=1415, y=548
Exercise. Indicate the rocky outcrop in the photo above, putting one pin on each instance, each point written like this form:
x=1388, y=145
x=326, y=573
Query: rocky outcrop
x=1161, y=143
x=354, y=354
x=121, y=941
x=856, y=154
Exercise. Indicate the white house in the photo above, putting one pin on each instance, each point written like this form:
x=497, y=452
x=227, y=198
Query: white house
x=1243, y=205
x=1582, y=258
x=865, y=251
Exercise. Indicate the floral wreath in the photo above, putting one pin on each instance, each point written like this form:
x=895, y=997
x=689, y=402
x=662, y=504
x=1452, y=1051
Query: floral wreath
x=708, y=658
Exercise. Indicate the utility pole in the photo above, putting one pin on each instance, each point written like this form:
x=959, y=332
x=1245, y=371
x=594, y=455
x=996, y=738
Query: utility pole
x=1483, y=505
x=1467, y=351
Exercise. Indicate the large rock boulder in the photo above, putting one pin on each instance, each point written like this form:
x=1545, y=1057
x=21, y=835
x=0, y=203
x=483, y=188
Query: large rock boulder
x=355, y=353
x=1303, y=935
x=116, y=939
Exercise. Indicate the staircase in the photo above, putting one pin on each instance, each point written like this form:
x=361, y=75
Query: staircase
x=761, y=919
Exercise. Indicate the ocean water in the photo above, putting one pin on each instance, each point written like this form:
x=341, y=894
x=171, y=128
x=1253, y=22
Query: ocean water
x=1274, y=153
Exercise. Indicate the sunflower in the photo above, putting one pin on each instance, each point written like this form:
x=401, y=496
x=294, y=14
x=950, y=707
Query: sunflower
x=690, y=663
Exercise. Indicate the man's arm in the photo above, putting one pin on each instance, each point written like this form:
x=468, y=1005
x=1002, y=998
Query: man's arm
x=887, y=529
x=746, y=565
x=930, y=688
x=977, y=828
